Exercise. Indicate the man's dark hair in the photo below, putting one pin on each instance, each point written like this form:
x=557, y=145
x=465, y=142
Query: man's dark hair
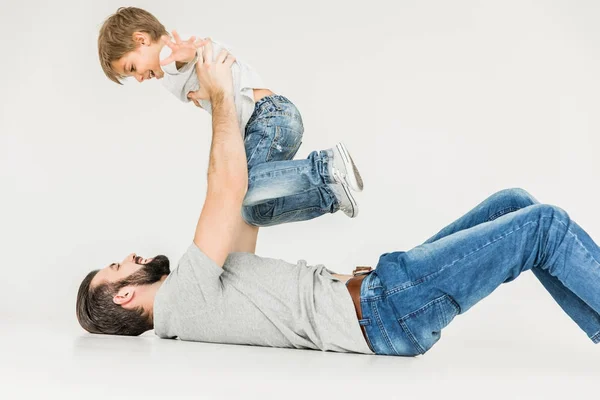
x=97, y=313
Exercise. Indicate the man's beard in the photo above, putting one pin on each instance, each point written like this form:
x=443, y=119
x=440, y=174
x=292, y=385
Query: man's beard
x=148, y=274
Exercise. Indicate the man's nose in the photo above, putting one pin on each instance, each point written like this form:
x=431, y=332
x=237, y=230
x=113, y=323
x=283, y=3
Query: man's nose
x=130, y=257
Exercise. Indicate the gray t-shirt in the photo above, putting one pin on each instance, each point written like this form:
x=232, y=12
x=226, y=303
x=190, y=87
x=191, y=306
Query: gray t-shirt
x=257, y=301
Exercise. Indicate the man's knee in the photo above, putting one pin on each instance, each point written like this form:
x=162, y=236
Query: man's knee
x=549, y=211
x=517, y=196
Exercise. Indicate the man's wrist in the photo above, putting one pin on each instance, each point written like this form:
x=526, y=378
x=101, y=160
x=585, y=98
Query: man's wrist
x=219, y=97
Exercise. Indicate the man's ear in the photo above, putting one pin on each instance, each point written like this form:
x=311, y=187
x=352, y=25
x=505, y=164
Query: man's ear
x=142, y=39
x=124, y=295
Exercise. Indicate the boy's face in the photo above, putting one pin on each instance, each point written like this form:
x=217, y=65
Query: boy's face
x=144, y=62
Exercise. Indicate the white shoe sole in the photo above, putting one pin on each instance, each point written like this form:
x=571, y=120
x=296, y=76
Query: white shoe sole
x=352, y=201
x=353, y=176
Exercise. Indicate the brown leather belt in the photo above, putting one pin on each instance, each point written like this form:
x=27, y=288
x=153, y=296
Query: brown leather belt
x=353, y=285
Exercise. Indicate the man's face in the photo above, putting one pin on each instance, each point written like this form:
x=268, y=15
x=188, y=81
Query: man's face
x=146, y=270
x=144, y=62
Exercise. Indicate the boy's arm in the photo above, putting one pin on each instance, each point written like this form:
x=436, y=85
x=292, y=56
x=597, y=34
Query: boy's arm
x=181, y=80
x=180, y=77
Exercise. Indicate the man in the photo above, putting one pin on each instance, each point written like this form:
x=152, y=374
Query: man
x=221, y=292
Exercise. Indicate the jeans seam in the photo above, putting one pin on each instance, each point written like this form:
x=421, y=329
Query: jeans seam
x=428, y=277
x=442, y=317
x=277, y=136
x=500, y=213
x=256, y=148
x=456, y=305
x=285, y=214
x=382, y=329
x=269, y=175
x=412, y=338
x=581, y=245
x=421, y=310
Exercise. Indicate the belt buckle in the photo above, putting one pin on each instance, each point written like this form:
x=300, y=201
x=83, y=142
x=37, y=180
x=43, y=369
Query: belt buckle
x=361, y=270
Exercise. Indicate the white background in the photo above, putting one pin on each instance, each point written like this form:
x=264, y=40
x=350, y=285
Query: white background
x=441, y=104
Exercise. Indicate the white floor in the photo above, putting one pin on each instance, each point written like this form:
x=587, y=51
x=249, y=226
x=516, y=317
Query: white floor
x=42, y=362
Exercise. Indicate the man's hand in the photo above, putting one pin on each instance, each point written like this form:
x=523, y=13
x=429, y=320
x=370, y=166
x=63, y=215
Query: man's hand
x=182, y=52
x=215, y=77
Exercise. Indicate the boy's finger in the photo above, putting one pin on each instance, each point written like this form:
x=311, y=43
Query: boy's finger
x=230, y=60
x=191, y=40
x=168, y=43
x=200, y=42
x=176, y=37
x=222, y=56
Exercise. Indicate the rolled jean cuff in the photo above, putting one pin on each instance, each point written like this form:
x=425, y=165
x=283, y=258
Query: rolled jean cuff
x=324, y=158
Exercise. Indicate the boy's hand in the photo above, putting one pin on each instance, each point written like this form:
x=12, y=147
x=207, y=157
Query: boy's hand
x=214, y=76
x=182, y=51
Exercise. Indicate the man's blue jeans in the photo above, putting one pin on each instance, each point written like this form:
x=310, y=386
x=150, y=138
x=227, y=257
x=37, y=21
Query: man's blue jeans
x=411, y=296
x=280, y=189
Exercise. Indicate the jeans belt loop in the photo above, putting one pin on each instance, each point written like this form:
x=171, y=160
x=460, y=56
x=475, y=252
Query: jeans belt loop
x=275, y=102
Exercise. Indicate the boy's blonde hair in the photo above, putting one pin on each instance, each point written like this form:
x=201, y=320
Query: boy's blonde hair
x=116, y=36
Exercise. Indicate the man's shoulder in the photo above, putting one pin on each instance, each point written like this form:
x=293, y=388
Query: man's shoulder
x=195, y=259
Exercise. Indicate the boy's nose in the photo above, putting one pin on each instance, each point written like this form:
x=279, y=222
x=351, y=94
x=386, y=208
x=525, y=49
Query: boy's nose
x=139, y=77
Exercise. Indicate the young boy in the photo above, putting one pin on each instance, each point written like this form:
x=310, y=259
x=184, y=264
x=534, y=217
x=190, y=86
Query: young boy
x=132, y=43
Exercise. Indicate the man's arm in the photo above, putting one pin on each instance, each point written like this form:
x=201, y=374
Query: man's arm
x=221, y=223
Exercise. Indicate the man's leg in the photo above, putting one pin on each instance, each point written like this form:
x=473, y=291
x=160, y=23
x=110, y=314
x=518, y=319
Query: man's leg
x=280, y=189
x=496, y=205
x=413, y=295
x=507, y=201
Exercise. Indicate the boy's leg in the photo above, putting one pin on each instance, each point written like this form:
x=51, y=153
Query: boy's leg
x=430, y=284
x=281, y=190
x=274, y=132
x=289, y=191
x=507, y=201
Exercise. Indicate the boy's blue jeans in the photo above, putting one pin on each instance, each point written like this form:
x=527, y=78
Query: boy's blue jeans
x=411, y=296
x=280, y=189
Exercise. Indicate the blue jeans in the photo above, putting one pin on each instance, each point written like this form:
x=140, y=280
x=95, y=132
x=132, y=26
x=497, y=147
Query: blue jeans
x=411, y=296
x=281, y=189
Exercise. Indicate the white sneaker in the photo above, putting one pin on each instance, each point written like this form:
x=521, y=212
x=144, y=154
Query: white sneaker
x=343, y=170
x=347, y=203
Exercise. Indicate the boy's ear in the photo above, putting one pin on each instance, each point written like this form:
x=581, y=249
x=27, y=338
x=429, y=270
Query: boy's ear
x=141, y=39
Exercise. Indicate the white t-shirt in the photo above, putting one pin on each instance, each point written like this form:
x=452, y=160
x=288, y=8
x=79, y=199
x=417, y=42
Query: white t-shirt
x=245, y=79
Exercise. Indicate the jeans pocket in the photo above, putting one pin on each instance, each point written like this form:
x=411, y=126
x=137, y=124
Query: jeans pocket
x=285, y=144
x=424, y=326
